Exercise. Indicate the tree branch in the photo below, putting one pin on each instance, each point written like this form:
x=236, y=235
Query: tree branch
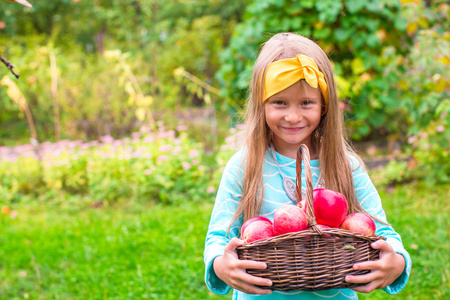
x=9, y=66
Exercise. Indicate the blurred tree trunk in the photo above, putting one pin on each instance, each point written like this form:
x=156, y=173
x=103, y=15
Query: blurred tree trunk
x=99, y=39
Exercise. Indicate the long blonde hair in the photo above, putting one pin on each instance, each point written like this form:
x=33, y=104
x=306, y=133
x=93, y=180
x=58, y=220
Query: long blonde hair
x=335, y=166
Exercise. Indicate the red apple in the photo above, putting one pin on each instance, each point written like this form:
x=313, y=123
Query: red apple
x=257, y=230
x=359, y=222
x=302, y=204
x=330, y=207
x=249, y=221
x=289, y=218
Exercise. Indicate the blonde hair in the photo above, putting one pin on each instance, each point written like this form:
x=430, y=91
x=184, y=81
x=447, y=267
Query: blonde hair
x=335, y=166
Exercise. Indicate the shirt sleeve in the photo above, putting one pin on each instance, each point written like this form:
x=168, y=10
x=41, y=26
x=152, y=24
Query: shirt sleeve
x=369, y=199
x=220, y=232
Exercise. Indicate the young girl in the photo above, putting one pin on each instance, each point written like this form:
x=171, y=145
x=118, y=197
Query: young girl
x=293, y=101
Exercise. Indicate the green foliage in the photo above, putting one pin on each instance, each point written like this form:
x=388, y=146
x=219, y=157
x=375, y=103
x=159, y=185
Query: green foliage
x=395, y=172
x=352, y=33
x=430, y=148
x=421, y=80
x=85, y=98
x=391, y=67
x=151, y=167
x=156, y=36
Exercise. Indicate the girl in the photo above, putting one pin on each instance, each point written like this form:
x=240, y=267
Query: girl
x=293, y=101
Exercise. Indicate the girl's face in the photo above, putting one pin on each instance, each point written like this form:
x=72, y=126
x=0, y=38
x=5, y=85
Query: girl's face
x=292, y=115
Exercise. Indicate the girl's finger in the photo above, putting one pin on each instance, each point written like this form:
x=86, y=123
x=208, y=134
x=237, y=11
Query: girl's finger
x=251, y=264
x=255, y=280
x=366, y=288
x=233, y=244
x=382, y=245
x=361, y=278
x=367, y=265
x=251, y=289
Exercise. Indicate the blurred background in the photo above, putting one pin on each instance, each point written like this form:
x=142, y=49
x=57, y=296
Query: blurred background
x=113, y=139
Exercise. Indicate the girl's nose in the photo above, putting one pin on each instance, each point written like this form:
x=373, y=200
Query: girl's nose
x=293, y=115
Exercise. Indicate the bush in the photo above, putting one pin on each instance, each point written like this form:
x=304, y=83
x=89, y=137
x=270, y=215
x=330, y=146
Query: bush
x=420, y=80
x=164, y=167
x=353, y=33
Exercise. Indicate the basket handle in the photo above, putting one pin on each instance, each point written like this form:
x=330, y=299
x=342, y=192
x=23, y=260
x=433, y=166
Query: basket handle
x=303, y=154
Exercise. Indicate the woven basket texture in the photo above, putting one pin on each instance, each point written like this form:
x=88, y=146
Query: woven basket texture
x=310, y=260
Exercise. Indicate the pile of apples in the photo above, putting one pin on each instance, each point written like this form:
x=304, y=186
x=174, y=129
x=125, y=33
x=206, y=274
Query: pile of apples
x=330, y=210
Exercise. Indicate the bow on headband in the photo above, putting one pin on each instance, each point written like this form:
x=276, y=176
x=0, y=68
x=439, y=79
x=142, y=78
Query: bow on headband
x=282, y=74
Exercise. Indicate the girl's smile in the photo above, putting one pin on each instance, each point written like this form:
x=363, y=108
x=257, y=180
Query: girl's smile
x=293, y=129
x=292, y=115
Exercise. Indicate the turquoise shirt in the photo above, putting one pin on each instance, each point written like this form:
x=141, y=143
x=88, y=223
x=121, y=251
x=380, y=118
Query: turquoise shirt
x=229, y=193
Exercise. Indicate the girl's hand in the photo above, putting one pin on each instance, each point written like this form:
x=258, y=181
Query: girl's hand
x=383, y=271
x=232, y=270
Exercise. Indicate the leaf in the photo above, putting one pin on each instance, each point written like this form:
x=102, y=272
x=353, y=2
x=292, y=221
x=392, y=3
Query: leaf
x=328, y=10
x=443, y=108
x=344, y=87
x=140, y=114
x=178, y=72
x=373, y=6
x=440, y=85
x=400, y=23
x=354, y=6
x=307, y=3
x=372, y=25
x=112, y=54
x=373, y=40
x=147, y=100
x=342, y=34
x=411, y=28
x=409, y=1
x=364, y=129
x=131, y=100
x=322, y=33
x=14, y=92
x=358, y=66
x=129, y=88
x=443, y=59
x=199, y=92
x=207, y=99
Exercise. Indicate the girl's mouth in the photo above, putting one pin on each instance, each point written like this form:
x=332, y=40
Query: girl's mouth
x=292, y=129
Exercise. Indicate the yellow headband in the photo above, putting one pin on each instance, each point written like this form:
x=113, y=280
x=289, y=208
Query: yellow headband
x=282, y=74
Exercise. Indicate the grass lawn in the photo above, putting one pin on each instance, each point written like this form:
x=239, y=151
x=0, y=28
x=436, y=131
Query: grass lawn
x=133, y=252
x=156, y=252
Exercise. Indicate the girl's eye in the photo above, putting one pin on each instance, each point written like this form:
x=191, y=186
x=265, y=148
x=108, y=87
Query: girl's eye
x=278, y=102
x=307, y=102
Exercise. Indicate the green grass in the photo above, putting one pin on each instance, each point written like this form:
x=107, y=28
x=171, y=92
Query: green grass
x=151, y=252
x=156, y=252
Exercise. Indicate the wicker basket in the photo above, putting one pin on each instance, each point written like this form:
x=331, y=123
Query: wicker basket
x=310, y=260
